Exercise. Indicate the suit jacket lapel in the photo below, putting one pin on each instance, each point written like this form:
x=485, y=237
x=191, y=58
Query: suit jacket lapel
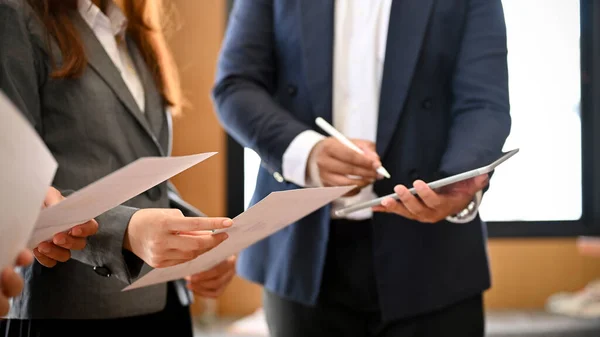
x=101, y=63
x=317, y=47
x=408, y=24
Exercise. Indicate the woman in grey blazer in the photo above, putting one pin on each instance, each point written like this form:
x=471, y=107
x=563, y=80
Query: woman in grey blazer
x=95, y=80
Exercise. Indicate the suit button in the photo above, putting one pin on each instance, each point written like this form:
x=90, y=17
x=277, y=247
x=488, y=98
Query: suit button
x=102, y=271
x=278, y=177
x=292, y=90
x=427, y=104
x=154, y=193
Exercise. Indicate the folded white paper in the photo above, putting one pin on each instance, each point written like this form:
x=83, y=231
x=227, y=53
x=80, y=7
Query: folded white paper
x=109, y=192
x=27, y=170
x=276, y=211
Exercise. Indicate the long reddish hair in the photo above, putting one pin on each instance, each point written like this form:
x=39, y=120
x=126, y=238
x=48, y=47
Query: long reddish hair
x=144, y=27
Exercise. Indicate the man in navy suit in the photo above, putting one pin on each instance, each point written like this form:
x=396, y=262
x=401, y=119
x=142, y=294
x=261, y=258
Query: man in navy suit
x=422, y=87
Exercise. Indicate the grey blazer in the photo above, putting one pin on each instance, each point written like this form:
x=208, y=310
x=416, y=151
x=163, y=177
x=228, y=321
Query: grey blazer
x=93, y=127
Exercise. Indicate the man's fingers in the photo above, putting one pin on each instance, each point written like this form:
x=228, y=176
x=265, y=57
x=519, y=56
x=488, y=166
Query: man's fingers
x=67, y=241
x=24, y=258
x=365, y=145
x=480, y=182
x=369, y=150
x=389, y=205
x=43, y=259
x=336, y=166
x=330, y=179
x=427, y=195
x=54, y=252
x=12, y=283
x=347, y=155
x=410, y=202
x=190, y=224
x=85, y=229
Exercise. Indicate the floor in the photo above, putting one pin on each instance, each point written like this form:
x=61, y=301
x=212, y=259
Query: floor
x=499, y=324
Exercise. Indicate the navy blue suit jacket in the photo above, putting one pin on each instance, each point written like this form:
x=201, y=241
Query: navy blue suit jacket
x=444, y=108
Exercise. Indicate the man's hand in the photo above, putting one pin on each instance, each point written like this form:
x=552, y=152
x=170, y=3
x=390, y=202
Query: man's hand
x=430, y=206
x=212, y=283
x=341, y=166
x=11, y=283
x=59, y=249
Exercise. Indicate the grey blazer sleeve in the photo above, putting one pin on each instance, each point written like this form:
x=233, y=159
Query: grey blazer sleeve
x=105, y=249
x=22, y=72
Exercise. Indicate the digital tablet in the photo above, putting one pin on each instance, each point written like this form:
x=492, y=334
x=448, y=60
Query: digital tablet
x=433, y=185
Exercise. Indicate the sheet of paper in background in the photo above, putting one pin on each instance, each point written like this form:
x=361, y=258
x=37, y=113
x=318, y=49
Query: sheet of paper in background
x=109, y=192
x=27, y=171
x=276, y=211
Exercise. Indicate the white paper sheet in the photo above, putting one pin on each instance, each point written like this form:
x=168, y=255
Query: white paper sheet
x=276, y=211
x=109, y=192
x=27, y=170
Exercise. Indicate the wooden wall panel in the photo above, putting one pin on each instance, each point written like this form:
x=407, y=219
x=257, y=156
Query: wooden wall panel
x=198, y=30
x=526, y=271
x=195, y=45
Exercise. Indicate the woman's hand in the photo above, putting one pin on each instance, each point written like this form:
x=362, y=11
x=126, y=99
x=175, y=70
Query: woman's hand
x=212, y=283
x=164, y=237
x=11, y=283
x=59, y=249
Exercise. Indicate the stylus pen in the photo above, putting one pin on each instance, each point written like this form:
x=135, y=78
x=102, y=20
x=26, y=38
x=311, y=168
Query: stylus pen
x=339, y=136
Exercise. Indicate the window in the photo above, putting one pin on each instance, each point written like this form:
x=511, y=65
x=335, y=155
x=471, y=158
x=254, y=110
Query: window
x=545, y=94
x=251, y=165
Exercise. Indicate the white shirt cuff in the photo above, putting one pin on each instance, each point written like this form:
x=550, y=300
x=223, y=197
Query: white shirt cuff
x=471, y=213
x=295, y=159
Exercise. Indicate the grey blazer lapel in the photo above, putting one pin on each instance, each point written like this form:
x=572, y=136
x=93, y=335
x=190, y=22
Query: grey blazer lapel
x=101, y=63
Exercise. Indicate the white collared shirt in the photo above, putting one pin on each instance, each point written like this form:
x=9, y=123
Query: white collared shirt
x=109, y=28
x=360, y=35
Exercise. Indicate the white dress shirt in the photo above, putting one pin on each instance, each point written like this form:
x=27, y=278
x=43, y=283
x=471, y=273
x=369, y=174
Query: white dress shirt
x=359, y=52
x=110, y=30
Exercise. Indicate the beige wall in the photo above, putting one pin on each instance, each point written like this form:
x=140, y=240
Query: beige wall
x=525, y=272
x=195, y=45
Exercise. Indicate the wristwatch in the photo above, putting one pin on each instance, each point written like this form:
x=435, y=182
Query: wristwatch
x=469, y=213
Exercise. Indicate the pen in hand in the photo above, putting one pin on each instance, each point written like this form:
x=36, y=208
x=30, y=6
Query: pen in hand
x=340, y=137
